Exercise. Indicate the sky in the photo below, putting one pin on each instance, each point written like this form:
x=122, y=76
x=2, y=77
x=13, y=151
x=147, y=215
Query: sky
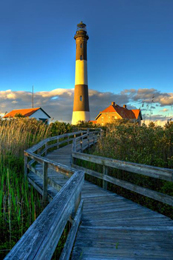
x=130, y=55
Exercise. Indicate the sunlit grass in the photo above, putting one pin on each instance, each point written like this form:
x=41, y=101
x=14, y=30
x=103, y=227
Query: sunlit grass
x=20, y=204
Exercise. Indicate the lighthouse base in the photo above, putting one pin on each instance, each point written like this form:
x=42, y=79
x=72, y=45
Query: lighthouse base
x=80, y=116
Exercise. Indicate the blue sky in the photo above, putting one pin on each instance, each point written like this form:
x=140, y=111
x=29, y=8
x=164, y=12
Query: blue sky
x=130, y=48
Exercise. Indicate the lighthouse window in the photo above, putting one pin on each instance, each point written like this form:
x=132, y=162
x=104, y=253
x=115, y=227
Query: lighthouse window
x=81, y=45
x=80, y=57
x=80, y=98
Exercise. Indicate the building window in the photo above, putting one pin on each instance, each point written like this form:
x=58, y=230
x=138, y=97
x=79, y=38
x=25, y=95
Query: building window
x=81, y=45
x=80, y=57
x=80, y=98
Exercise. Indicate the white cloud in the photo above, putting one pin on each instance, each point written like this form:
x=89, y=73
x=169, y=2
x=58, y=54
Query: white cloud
x=150, y=96
x=58, y=103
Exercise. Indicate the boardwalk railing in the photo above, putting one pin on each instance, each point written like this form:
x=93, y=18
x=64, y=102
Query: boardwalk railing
x=40, y=240
x=86, y=140
x=35, y=154
x=151, y=171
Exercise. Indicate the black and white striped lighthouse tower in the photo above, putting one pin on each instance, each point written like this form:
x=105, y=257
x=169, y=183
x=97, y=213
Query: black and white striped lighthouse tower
x=81, y=101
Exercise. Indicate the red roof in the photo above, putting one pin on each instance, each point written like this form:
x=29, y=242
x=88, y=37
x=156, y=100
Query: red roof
x=136, y=112
x=122, y=111
x=93, y=121
x=24, y=112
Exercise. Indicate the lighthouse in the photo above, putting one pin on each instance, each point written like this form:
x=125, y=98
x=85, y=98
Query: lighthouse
x=81, y=101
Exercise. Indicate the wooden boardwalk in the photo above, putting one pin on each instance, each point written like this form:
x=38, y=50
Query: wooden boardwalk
x=113, y=227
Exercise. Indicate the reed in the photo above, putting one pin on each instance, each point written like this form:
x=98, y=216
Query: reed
x=20, y=204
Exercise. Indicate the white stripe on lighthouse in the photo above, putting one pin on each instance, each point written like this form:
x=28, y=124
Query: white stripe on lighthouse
x=81, y=77
x=80, y=116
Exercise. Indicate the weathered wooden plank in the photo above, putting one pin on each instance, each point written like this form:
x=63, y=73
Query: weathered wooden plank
x=151, y=171
x=51, y=146
x=45, y=168
x=105, y=212
x=89, y=172
x=132, y=187
x=44, y=151
x=105, y=172
x=143, y=191
x=40, y=240
x=50, y=180
x=37, y=183
x=65, y=255
x=40, y=144
x=51, y=164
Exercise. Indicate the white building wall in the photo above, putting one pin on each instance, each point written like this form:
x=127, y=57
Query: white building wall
x=39, y=114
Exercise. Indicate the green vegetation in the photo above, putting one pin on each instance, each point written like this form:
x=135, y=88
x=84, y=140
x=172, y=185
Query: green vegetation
x=140, y=144
x=20, y=204
x=19, y=207
x=150, y=145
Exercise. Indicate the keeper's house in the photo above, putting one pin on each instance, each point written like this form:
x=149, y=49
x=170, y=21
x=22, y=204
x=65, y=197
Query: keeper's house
x=114, y=112
x=37, y=113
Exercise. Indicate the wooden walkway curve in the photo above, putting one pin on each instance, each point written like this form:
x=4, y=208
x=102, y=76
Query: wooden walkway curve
x=116, y=228
x=105, y=226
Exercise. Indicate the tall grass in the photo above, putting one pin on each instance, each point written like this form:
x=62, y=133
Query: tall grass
x=19, y=203
x=19, y=207
x=19, y=134
x=140, y=144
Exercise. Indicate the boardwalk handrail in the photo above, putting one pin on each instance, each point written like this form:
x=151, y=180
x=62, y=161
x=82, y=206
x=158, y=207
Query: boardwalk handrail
x=35, y=154
x=84, y=141
x=146, y=170
x=40, y=240
x=45, y=142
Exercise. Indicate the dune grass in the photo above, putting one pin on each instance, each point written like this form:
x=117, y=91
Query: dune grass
x=20, y=204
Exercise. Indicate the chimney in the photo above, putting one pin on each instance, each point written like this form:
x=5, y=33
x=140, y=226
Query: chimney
x=124, y=106
x=113, y=103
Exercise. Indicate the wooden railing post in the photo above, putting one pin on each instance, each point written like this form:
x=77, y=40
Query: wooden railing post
x=74, y=150
x=77, y=202
x=105, y=172
x=58, y=142
x=45, y=169
x=81, y=142
x=88, y=140
x=45, y=148
x=25, y=165
x=74, y=142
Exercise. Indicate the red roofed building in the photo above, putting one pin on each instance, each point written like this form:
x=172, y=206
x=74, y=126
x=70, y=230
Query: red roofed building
x=114, y=111
x=37, y=113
